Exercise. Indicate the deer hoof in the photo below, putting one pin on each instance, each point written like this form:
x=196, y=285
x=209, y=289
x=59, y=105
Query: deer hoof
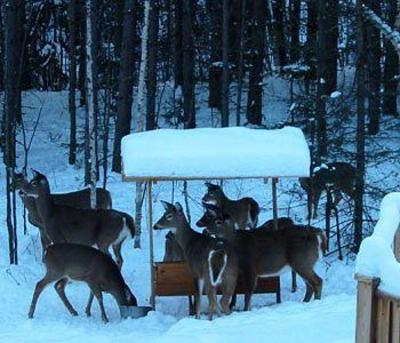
x=88, y=313
x=74, y=313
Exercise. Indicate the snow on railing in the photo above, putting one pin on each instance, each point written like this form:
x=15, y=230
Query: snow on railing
x=376, y=258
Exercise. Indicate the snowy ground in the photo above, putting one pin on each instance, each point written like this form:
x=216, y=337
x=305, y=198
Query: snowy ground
x=329, y=320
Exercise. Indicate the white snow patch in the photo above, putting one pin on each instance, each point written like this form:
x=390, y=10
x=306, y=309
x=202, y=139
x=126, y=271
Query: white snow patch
x=376, y=257
x=216, y=153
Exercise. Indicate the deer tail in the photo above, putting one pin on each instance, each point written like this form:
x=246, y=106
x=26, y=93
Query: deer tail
x=322, y=242
x=129, y=222
x=216, y=281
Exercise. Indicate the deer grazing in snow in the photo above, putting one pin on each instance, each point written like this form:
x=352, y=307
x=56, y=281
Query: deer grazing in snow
x=80, y=199
x=338, y=176
x=263, y=253
x=66, y=262
x=244, y=212
x=212, y=262
x=66, y=224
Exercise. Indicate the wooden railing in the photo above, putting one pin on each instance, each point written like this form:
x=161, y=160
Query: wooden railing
x=378, y=314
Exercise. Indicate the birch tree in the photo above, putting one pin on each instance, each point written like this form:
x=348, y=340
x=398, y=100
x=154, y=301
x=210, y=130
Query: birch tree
x=90, y=107
x=141, y=114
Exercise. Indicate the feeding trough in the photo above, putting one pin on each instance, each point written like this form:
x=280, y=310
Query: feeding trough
x=209, y=154
x=134, y=311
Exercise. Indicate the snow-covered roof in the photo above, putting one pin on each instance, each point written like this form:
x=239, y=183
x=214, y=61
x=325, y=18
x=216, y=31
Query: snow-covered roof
x=215, y=153
x=376, y=257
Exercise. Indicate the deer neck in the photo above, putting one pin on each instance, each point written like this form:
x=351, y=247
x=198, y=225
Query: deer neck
x=224, y=201
x=45, y=205
x=184, y=234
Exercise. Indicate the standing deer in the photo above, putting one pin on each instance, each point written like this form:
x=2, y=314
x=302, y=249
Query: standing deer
x=339, y=176
x=264, y=253
x=66, y=262
x=66, y=224
x=244, y=212
x=212, y=262
x=80, y=199
x=208, y=218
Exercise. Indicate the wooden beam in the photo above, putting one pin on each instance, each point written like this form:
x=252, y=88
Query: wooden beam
x=150, y=230
x=396, y=245
x=275, y=202
x=366, y=309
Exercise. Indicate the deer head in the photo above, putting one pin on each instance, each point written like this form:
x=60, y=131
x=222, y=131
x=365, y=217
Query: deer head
x=219, y=224
x=36, y=186
x=172, y=219
x=214, y=195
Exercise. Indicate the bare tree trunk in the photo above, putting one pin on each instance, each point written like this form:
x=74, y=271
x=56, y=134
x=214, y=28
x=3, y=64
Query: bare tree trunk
x=12, y=105
x=124, y=100
x=391, y=68
x=141, y=113
x=279, y=18
x=214, y=8
x=188, y=65
x=374, y=72
x=91, y=122
x=254, y=99
x=152, y=69
x=241, y=58
x=360, y=158
x=225, y=68
x=178, y=32
x=294, y=30
x=72, y=80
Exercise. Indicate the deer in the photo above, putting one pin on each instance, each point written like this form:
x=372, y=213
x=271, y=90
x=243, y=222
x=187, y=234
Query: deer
x=265, y=253
x=338, y=176
x=244, y=211
x=212, y=262
x=65, y=224
x=66, y=261
x=79, y=199
x=209, y=216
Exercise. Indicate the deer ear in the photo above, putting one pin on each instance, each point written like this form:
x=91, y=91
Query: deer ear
x=35, y=173
x=212, y=210
x=208, y=184
x=166, y=205
x=178, y=207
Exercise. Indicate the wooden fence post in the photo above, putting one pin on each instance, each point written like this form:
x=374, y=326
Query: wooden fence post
x=366, y=309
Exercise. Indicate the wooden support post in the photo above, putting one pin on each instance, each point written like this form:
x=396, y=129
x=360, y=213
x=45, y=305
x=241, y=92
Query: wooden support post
x=275, y=202
x=366, y=309
x=396, y=244
x=150, y=230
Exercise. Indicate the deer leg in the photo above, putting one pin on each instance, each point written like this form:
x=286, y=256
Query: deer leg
x=40, y=286
x=192, y=305
x=212, y=302
x=89, y=305
x=233, y=301
x=307, y=278
x=117, y=253
x=317, y=285
x=337, y=197
x=315, y=199
x=60, y=289
x=252, y=284
x=200, y=288
x=99, y=296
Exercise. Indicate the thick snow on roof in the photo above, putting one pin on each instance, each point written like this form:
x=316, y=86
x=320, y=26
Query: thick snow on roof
x=376, y=257
x=234, y=152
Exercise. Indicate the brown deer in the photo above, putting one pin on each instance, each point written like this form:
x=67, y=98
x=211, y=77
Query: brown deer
x=66, y=224
x=263, y=253
x=65, y=262
x=338, y=176
x=244, y=212
x=80, y=199
x=212, y=262
x=209, y=216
